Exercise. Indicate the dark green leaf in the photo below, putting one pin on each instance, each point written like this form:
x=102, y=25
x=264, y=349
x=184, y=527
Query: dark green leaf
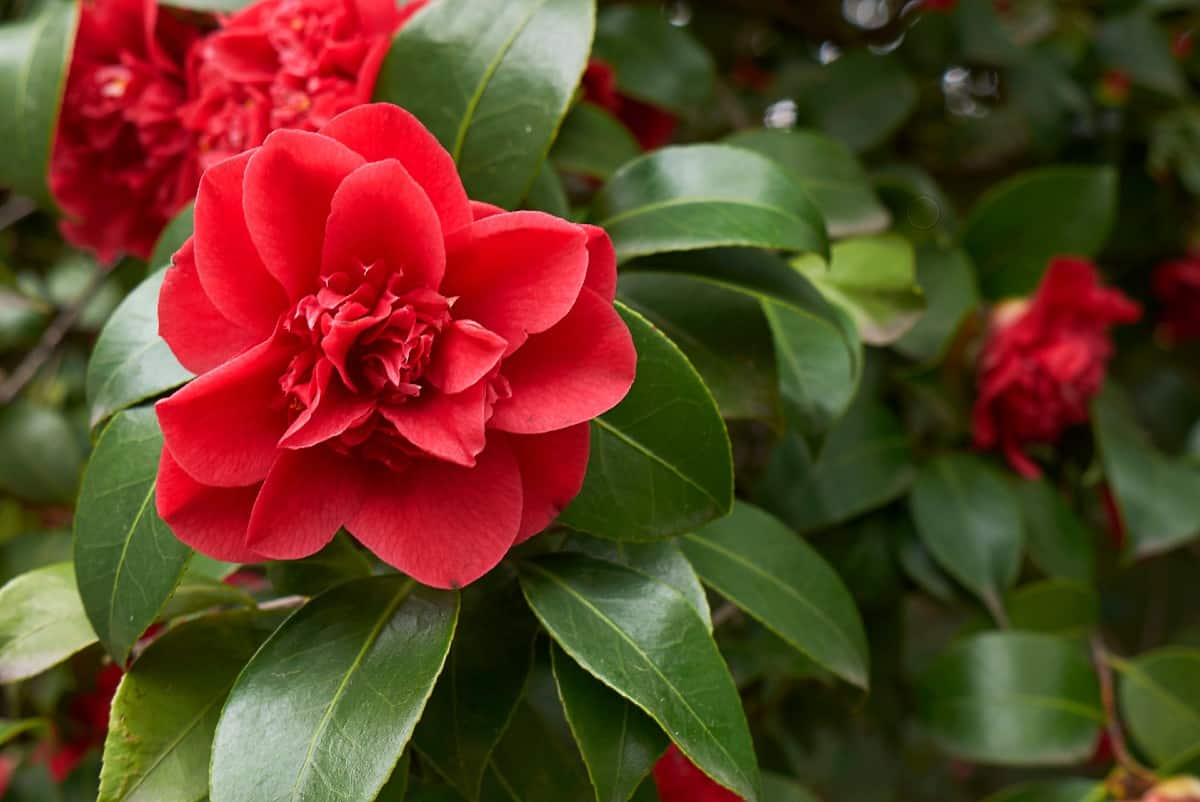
x=128, y=561
x=706, y=196
x=1059, y=542
x=42, y=453
x=1052, y=791
x=860, y=99
x=396, y=789
x=593, y=143
x=778, y=788
x=131, y=363
x=758, y=564
x=172, y=237
x=337, y=562
x=481, y=77
x=1135, y=45
x=947, y=280
x=547, y=193
x=1020, y=224
x=610, y=618
x=1013, y=698
x=1160, y=702
x=42, y=622
x=554, y=774
x=660, y=461
x=359, y=663
x=920, y=209
x=1054, y=606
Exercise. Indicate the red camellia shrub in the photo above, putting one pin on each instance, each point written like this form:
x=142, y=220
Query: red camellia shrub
x=1177, y=287
x=651, y=126
x=1044, y=359
x=678, y=780
x=122, y=165
x=378, y=353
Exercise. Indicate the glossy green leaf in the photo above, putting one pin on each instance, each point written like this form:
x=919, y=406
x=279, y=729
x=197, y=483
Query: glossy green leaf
x=485, y=79
x=360, y=662
x=947, y=280
x=654, y=61
x=197, y=592
x=660, y=460
x=1137, y=46
x=969, y=518
x=706, y=196
x=42, y=622
x=1059, y=542
x=1013, y=698
x=610, y=619
x=166, y=709
x=552, y=773
x=619, y=743
x=1156, y=495
x=860, y=99
x=34, y=54
x=42, y=452
x=172, y=238
x=128, y=561
x=1020, y=224
x=767, y=570
x=593, y=143
x=339, y=561
x=130, y=362
x=828, y=171
x=1160, y=702
x=1052, y=791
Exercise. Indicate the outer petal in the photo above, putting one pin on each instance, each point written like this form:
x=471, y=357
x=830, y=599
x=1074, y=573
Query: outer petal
x=480, y=210
x=223, y=427
x=466, y=352
x=382, y=131
x=442, y=524
x=212, y=520
x=306, y=498
x=552, y=469
x=579, y=369
x=380, y=214
x=602, y=263
x=449, y=427
x=517, y=273
x=199, y=335
x=230, y=269
x=290, y=183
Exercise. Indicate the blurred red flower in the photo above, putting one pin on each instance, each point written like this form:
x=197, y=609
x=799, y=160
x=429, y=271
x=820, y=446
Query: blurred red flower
x=652, y=126
x=1177, y=287
x=1044, y=359
x=678, y=780
x=85, y=726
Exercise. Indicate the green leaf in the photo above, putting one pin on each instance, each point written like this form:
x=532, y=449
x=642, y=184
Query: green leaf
x=706, y=196
x=172, y=237
x=396, y=789
x=660, y=460
x=480, y=687
x=874, y=279
x=166, y=709
x=609, y=619
x=1160, y=702
x=337, y=562
x=360, y=662
x=947, y=280
x=968, y=516
x=42, y=622
x=1052, y=791
x=554, y=774
x=920, y=209
x=1155, y=494
x=593, y=143
x=481, y=77
x=1015, y=698
x=1134, y=44
x=1020, y=224
x=778, y=788
x=128, y=561
x=654, y=61
x=860, y=99
x=34, y=54
x=130, y=362
x=828, y=171
x=1059, y=542
x=547, y=193
x=619, y=743
x=10, y=728
x=42, y=453
x=1055, y=607
x=765, y=569
x=197, y=592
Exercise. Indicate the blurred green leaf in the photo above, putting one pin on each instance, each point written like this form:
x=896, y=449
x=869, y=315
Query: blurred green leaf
x=860, y=99
x=1134, y=44
x=1052, y=791
x=10, y=728
x=42, y=622
x=1055, y=607
x=593, y=143
x=1058, y=541
x=947, y=280
x=1160, y=702
x=42, y=453
x=172, y=238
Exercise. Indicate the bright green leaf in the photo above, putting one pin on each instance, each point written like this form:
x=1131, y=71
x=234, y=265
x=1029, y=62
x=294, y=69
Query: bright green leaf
x=42, y=622
x=1160, y=702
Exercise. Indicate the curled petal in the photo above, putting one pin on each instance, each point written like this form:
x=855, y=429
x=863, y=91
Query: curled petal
x=466, y=352
x=602, y=263
x=212, y=520
x=449, y=427
x=199, y=335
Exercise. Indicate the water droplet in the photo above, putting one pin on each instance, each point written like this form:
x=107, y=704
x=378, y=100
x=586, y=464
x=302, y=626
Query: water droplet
x=828, y=53
x=781, y=114
x=679, y=12
x=870, y=15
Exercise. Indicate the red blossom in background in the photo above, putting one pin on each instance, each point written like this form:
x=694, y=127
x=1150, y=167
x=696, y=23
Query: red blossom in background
x=1177, y=287
x=85, y=726
x=678, y=780
x=1044, y=360
x=652, y=126
x=122, y=165
x=940, y=5
x=376, y=352
x=7, y=766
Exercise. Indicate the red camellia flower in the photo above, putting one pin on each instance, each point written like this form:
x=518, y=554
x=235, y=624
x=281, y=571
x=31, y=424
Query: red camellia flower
x=678, y=780
x=287, y=64
x=376, y=352
x=7, y=766
x=1177, y=287
x=122, y=165
x=652, y=126
x=1044, y=360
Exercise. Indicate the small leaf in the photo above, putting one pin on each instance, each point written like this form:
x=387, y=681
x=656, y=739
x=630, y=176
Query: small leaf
x=337, y=562
x=10, y=728
x=172, y=237
x=42, y=622
x=1014, y=698
x=1059, y=542
x=1160, y=702
x=706, y=196
x=359, y=663
x=593, y=143
x=42, y=453
x=609, y=619
x=765, y=569
x=947, y=281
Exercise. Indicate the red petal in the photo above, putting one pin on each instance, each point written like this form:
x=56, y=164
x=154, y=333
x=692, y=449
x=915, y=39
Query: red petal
x=380, y=214
x=230, y=269
x=442, y=524
x=381, y=131
x=224, y=427
x=480, y=210
x=306, y=498
x=199, y=335
x=577, y=370
x=517, y=273
x=602, y=264
x=552, y=469
x=449, y=427
x=678, y=780
x=466, y=352
x=290, y=182
x=212, y=520
x=334, y=410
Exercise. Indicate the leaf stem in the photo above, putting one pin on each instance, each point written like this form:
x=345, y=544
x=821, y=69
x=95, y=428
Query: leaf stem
x=1103, y=662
